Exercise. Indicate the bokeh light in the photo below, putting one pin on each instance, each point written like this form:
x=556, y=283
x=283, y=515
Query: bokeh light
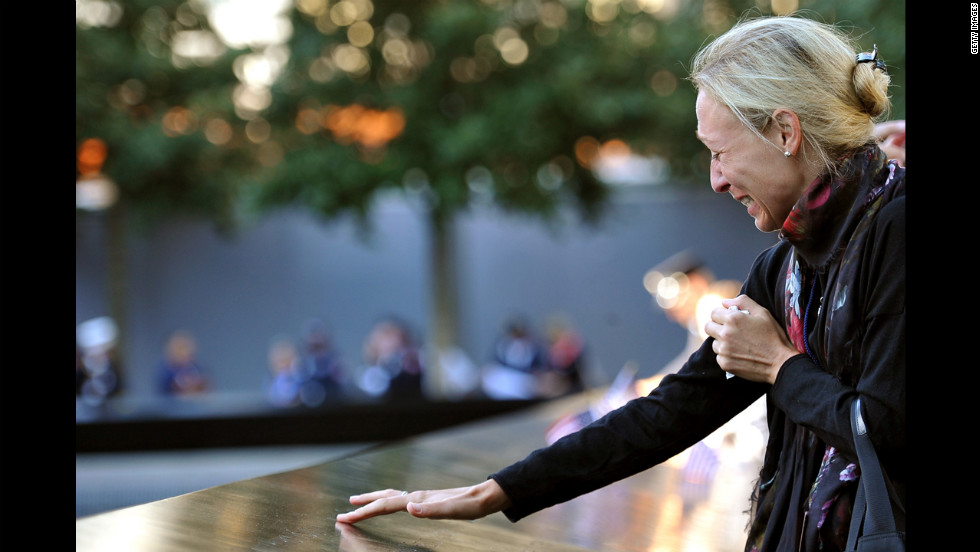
x=308, y=120
x=130, y=93
x=783, y=7
x=666, y=289
x=663, y=83
x=550, y=177
x=511, y=46
x=258, y=130
x=91, y=155
x=312, y=8
x=94, y=191
x=218, y=131
x=664, y=10
x=250, y=100
x=251, y=23
x=97, y=13
x=178, y=120
x=602, y=11
x=352, y=59
x=261, y=69
x=479, y=180
x=360, y=34
x=195, y=47
x=370, y=128
x=586, y=151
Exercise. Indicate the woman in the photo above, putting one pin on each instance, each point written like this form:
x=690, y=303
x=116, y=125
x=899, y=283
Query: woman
x=787, y=109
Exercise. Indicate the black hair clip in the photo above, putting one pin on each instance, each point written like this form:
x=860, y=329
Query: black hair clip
x=872, y=57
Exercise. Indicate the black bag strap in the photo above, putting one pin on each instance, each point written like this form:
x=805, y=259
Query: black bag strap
x=872, y=496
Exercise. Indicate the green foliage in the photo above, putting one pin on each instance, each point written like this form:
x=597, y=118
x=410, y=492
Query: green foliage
x=125, y=85
x=475, y=126
x=580, y=79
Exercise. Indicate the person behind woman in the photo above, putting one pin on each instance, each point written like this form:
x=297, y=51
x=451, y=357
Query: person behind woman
x=891, y=138
x=787, y=108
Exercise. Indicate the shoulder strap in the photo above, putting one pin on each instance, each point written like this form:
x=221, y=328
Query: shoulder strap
x=872, y=497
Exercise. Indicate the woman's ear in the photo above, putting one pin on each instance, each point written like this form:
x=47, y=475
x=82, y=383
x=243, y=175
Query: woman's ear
x=786, y=131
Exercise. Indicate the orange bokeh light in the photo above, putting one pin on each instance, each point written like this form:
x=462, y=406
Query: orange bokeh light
x=371, y=128
x=586, y=151
x=91, y=155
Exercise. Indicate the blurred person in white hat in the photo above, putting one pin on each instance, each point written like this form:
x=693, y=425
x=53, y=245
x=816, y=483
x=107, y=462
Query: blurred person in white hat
x=97, y=370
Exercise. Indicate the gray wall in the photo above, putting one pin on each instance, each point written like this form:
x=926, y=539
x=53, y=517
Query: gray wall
x=237, y=294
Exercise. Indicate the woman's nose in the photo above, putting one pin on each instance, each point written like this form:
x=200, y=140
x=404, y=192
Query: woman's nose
x=718, y=181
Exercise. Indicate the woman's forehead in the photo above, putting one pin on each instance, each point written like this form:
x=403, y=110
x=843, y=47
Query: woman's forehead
x=712, y=116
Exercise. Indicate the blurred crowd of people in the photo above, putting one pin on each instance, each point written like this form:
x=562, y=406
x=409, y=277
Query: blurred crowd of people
x=310, y=371
x=523, y=363
x=526, y=365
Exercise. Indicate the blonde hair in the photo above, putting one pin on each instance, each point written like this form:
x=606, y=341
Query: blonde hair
x=767, y=63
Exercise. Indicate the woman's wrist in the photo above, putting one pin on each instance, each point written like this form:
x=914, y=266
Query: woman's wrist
x=493, y=496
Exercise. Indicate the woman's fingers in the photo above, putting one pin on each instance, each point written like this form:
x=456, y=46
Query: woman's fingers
x=366, y=498
x=377, y=503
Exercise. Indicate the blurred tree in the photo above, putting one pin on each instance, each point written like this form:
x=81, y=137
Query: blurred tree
x=156, y=85
x=508, y=102
x=155, y=129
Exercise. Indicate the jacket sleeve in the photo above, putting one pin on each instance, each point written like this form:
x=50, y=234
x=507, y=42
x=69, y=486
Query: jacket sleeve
x=683, y=409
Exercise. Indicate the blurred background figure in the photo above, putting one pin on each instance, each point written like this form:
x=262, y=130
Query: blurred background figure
x=97, y=370
x=179, y=372
x=322, y=364
x=891, y=138
x=286, y=377
x=566, y=359
x=686, y=290
x=518, y=362
x=392, y=361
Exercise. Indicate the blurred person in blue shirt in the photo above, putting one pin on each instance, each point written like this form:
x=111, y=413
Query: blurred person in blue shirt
x=286, y=378
x=518, y=363
x=322, y=363
x=180, y=373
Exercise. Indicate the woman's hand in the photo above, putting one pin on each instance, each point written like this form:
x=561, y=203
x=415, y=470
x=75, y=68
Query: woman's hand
x=750, y=345
x=468, y=503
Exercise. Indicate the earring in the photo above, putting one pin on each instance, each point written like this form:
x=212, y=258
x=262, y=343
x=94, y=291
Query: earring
x=787, y=154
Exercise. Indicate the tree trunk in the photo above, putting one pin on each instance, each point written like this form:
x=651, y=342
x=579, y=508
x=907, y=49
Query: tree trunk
x=117, y=288
x=441, y=337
